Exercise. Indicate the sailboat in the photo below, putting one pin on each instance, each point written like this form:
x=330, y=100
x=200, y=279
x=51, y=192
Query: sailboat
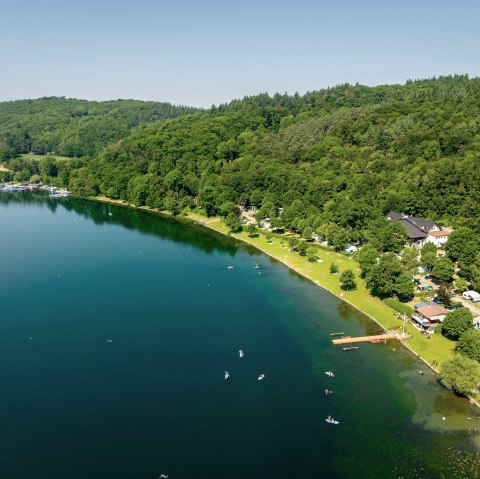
x=227, y=375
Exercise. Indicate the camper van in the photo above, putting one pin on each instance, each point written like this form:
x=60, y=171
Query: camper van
x=472, y=296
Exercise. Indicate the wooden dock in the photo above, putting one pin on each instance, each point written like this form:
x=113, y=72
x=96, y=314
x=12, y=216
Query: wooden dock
x=364, y=339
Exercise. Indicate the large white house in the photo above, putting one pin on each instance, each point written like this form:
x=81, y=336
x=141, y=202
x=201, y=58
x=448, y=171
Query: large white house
x=421, y=231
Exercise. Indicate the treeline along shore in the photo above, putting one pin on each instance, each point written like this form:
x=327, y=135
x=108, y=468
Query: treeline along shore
x=304, y=178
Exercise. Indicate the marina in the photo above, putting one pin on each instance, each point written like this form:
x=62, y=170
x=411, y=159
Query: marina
x=53, y=191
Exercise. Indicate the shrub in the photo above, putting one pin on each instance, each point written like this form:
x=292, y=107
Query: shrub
x=347, y=280
x=312, y=254
x=398, y=306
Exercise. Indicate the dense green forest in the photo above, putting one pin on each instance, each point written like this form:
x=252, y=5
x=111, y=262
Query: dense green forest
x=335, y=160
x=343, y=156
x=74, y=128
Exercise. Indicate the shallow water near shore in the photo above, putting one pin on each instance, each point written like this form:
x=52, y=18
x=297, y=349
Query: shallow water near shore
x=116, y=329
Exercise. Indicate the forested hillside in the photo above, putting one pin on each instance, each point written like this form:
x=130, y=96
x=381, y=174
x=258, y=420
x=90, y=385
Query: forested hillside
x=334, y=160
x=344, y=155
x=74, y=128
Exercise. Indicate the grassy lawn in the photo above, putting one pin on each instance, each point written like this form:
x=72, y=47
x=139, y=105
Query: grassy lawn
x=31, y=156
x=437, y=348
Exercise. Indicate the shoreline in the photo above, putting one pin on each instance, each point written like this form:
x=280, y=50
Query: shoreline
x=244, y=238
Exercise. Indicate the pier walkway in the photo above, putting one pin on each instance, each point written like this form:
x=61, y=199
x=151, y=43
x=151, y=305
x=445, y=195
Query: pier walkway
x=366, y=339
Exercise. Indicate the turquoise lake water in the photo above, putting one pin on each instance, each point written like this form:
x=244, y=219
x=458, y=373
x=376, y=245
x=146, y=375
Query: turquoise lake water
x=115, y=333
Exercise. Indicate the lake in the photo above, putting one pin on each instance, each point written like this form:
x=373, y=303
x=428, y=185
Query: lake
x=116, y=329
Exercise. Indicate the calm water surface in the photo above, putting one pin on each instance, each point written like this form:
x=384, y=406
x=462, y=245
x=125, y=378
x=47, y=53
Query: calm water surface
x=153, y=400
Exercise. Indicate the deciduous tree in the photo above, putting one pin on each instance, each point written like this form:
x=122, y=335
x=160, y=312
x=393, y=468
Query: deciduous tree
x=347, y=280
x=469, y=344
x=404, y=286
x=383, y=275
x=461, y=374
x=429, y=255
x=443, y=269
x=457, y=322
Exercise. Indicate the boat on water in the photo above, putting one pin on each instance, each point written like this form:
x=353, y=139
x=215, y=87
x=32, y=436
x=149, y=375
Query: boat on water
x=257, y=266
x=376, y=341
x=346, y=337
x=241, y=353
x=330, y=420
x=230, y=267
x=262, y=376
x=351, y=348
x=227, y=374
x=330, y=374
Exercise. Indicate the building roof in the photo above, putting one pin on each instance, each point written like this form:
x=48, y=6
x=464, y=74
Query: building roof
x=420, y=223
x=422, y=305
x=432, y=310
x=424, y=225
x=439, y=233
x=412, y=231
x=393, y=215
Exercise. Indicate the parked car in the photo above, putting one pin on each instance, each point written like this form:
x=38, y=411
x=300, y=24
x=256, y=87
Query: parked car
x=428, y=276
x=437, y=300
x=454, y=306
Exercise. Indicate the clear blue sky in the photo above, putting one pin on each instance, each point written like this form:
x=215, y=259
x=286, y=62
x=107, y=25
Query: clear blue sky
x=204, y=52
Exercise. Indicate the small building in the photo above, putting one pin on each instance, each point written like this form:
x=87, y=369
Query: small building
x=428, y=317
x=438, y=238
x=433, y=312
